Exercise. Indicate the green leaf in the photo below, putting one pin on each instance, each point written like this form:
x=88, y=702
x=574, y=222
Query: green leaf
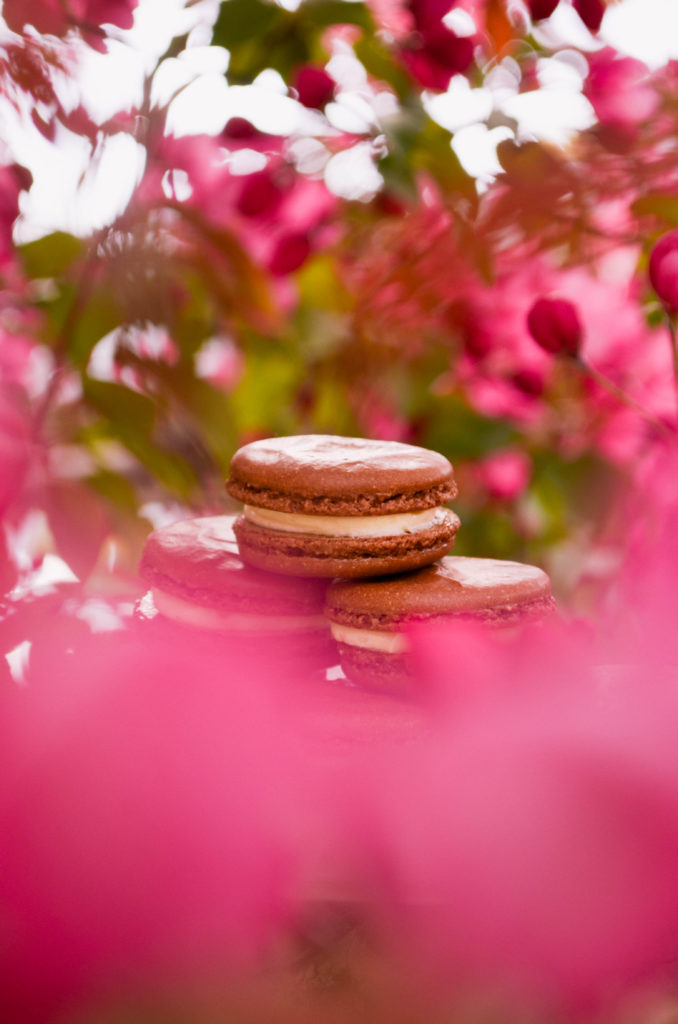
x=462, y=434
x=263, y=399
x=127, y=411
x=262, y=35
x=114, y=488
x=52, y=255
x=99, y=317
x=243, y=20
x=171, y=470
x=664, y=206
x=337, y=12
x=434, y=153
x=379, y=62
x=131, y=418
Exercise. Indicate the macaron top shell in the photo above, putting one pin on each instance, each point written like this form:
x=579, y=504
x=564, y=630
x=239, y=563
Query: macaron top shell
x=455, y=585
x=344, y=475
x=198, y=559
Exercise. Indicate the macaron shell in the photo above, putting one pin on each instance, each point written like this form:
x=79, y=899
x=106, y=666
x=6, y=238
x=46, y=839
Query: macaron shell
x=343, y=557
x=314, y=649
x=376, y=671
x=486, y=588
x=346, y=474
x=198, y=559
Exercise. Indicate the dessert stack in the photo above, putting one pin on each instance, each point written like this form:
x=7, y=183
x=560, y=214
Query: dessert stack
x=357, y=528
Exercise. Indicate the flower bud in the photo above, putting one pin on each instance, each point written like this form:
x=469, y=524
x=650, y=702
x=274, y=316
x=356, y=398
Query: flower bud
x=554, y=325
x=289, y=253
x=542, y=8
x=591, y=12
x=664, y=270
x=313, y=85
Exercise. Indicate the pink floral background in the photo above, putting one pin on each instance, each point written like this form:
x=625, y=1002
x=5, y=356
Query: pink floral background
x=328, y=258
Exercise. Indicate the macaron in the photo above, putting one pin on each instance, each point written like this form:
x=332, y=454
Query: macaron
x=325, y=506
x=369, y=618
x=199, y=582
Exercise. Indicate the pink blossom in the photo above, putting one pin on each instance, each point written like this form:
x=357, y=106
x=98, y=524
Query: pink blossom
x=15, y=443
x=393, y=17
x=542, y=8
x=433, y=53
x=313, y=85
x=258, y=193
x=554, y=325
x=664, y=270
x=147, y=825
x=57, y=18
x=619, y=90
x=436, y=55
x=505, y=474
x=289, y=253
x=13, y=180
x=591, y=12
x=528, y=843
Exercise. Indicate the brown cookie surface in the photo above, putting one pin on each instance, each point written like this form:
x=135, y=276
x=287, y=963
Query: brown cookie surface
x=369, y=617
x=326, y=475
x=485, y=588
x=198, y=560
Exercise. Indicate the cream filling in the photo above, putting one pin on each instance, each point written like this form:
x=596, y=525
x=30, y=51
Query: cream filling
x=370, y=639
x=189, y=614
x=346, y=526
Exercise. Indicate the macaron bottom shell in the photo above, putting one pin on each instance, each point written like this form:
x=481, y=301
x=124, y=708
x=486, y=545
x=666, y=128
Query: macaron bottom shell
x=303, y=649
x=397, y=673
x=299, y=554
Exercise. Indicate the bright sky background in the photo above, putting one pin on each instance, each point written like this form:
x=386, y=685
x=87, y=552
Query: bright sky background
x=62, y=198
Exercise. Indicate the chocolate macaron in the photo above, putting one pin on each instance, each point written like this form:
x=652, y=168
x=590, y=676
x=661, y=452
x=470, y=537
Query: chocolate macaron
x=369, y=618
x=320, y=505
x=198, y=581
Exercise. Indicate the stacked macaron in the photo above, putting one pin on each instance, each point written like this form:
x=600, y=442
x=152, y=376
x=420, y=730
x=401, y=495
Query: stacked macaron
x=370, y=516
x=325, y=506
x=370, y=618
x=199, y=582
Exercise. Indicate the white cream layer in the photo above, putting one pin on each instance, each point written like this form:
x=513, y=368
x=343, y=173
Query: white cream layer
x=189, y=614
x=346, y=526
x=370, y=639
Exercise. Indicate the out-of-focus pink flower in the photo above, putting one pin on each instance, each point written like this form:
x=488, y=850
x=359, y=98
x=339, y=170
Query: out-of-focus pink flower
x=13, y=180
x=107, y=12
x=529, y=841
x=54, y=17
x=239, y=133
x=220, y=362
x=239, y=128
x=591, y=12
x=435, y=53
x=437, y=56
x=15, y=443
x=46, y=16
x=289, y=252
x=392, y=16
x=542, y=8
x=664, y=270
x=258, y=193
x=555, y=326
x=379, y=419
x=505, y=474
x=618, y=89
x=313, y=85
x=146, y=829
x=277, y=215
